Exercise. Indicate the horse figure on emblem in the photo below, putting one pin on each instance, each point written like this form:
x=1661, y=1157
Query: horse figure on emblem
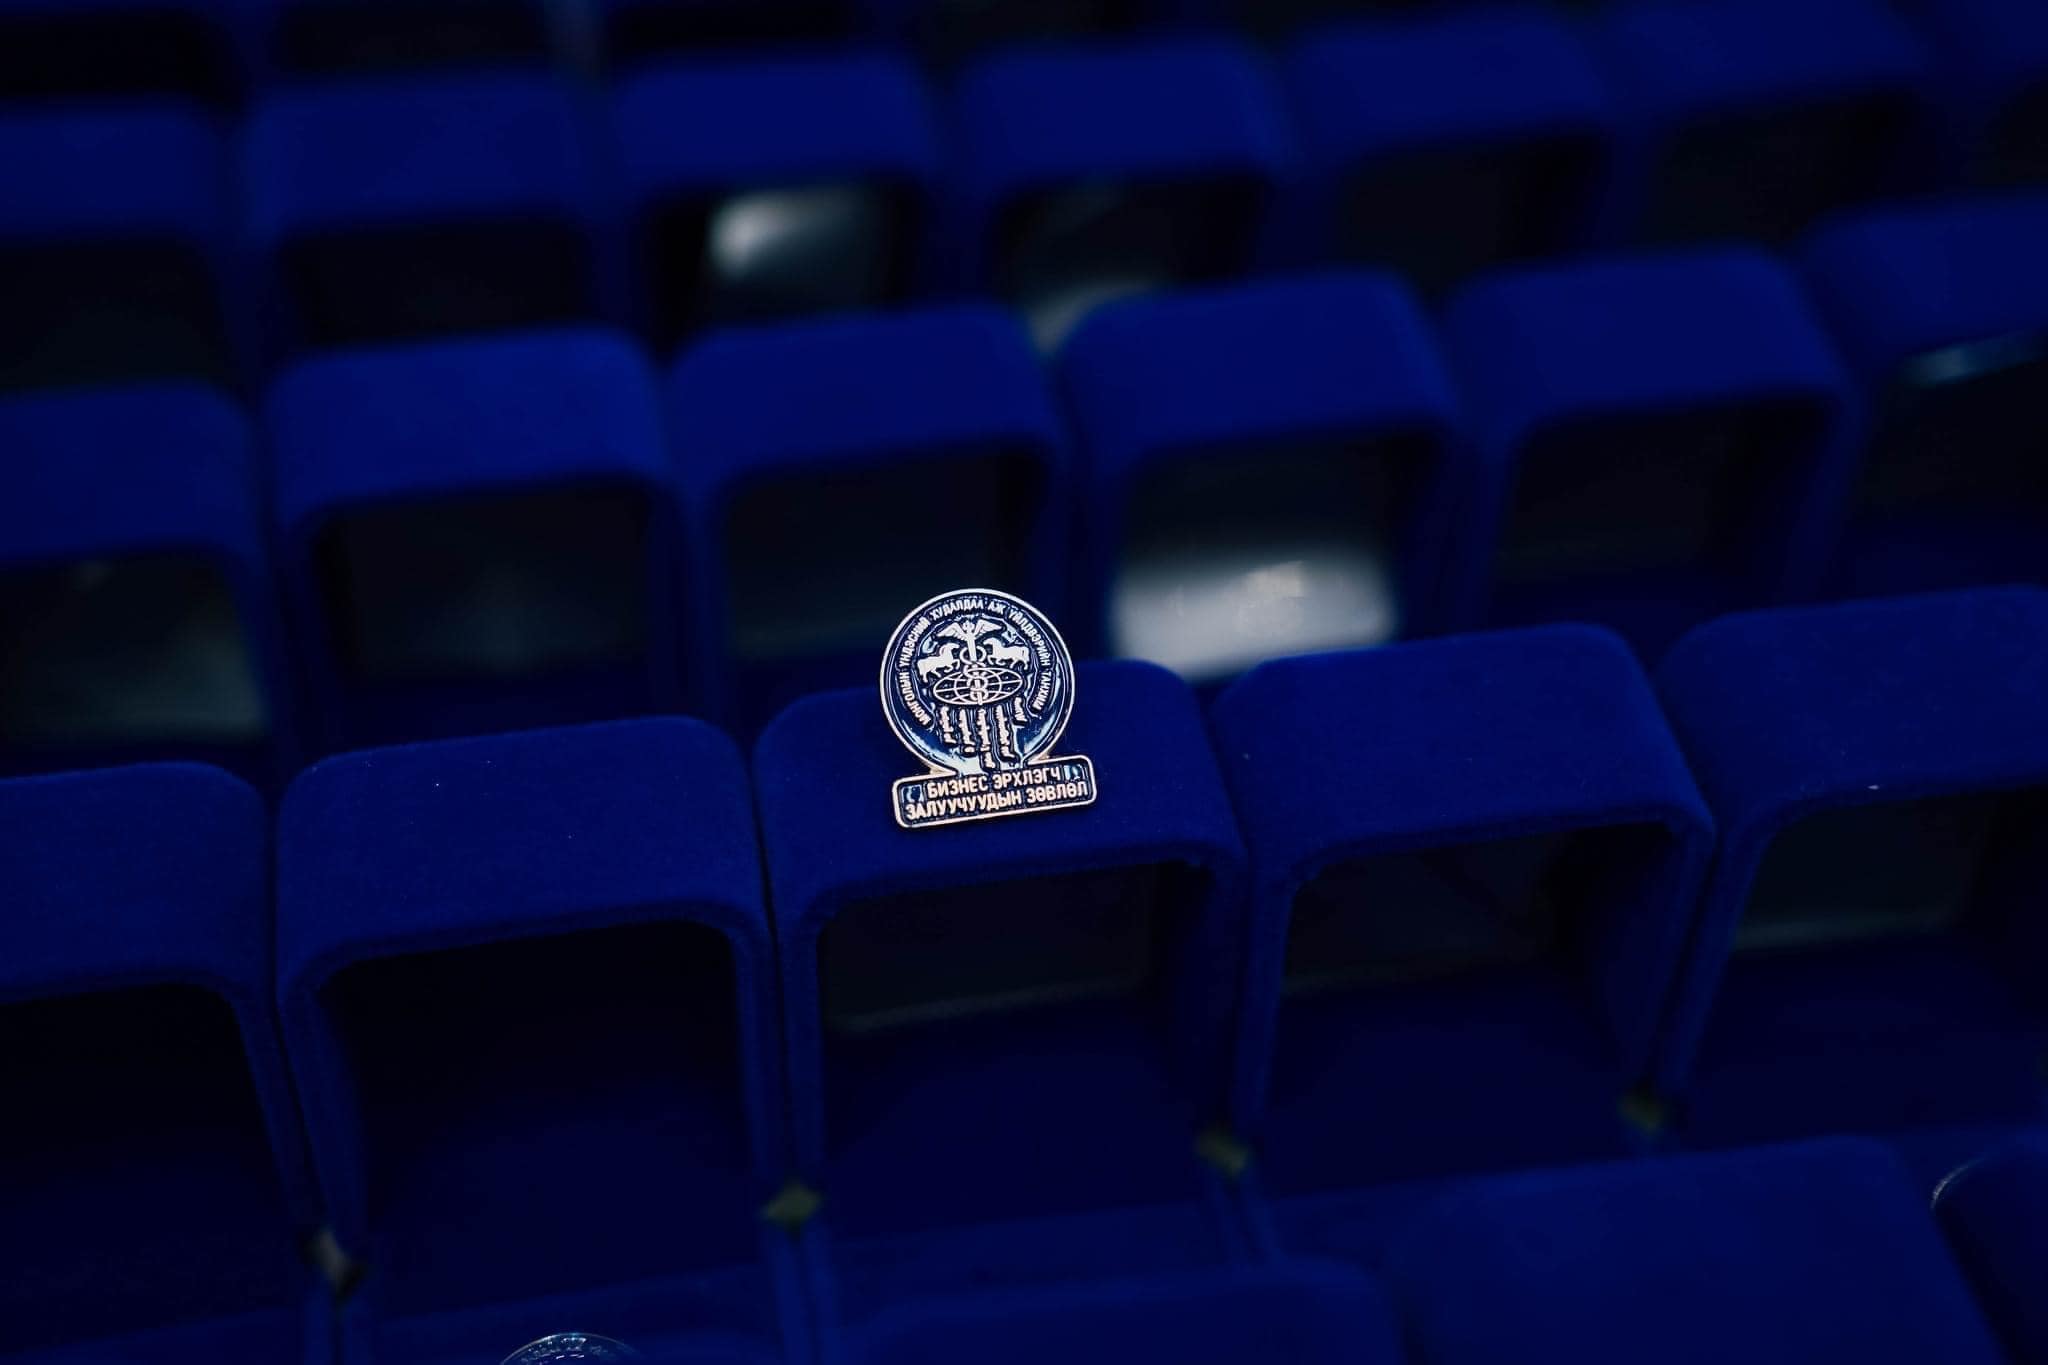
x=978, y=681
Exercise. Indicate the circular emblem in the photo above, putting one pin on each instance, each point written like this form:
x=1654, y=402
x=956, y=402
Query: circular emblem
x=979, y=685
x=570, y=1346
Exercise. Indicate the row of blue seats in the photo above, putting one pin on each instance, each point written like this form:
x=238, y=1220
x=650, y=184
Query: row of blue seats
x=1817, y=1253
x=217, y=49
x=483, y=534
x=562, y=1011
x=732, y=190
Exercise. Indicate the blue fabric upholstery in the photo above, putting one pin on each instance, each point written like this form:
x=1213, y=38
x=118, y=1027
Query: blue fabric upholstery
x=896, y=428
x=157, y=1178
x=1339, y=360
x=1439, y=801
x=1943, y=312
x=1993, y=57
x=1994, y=1212
x=136, y=475
x=565, y=424
x=1747, y=118
x=1893, y=968
x=1781, y=1256
x=1033, y=120
x=1300, y=1314
x=527, y=988
x=1531, y=143
x=384, y=209
x=1714, y=360
x=918, y=1105
x=115, y=267
x=797, y=122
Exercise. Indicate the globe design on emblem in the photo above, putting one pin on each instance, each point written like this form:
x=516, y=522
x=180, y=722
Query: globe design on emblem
x=977, y=678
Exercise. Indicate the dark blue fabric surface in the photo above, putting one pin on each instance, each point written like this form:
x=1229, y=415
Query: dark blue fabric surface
x=137, y=471
x=1084, y=1103
x=1943, y=311
x=1547, y=355
x=117, y=263
x=1791, y=714
x=1540, y=87
x=1993, y=64
x=1781, y=1256
x=140, y=169
x=1300, y=1315
x=1994, y=1213
x=1322, y=360
x=1840, y=86
x=442, y=426
x=783, y=120
x=388, y=208
x=1343, y=759
x=1031, y=119
x=845, y=403
x=137, y=1036
x=580, y=896
x=359, y=154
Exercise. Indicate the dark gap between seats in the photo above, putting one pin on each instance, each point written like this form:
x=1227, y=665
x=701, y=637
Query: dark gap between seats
x=1439, y=214
x=138, y=650
x=145, y=1191
x=818, y=562
x=108, y=311
x=1014, y=1049
x=1770, y=174
x=775, y=252
x=500, y=585
x=370, y=284
x=1235, y=556
x=1061, y=251
x=550, y=1114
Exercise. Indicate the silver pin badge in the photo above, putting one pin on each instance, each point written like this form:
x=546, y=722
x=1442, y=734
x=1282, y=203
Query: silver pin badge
x=979, y=685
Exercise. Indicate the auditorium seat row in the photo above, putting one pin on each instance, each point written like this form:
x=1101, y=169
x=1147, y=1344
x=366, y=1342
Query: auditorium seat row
x=714, y=190
x=485, y=533
x=519, y=1021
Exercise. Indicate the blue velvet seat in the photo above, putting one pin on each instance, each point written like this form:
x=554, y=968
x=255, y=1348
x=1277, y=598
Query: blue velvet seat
x=1780, y=1256
x=527, y=989
x=1255, y=451
x=1473, y=869
x=1413, y=166
x=1305, y=1315
x=137, y=614
x=772, y=186
x=1992, y=58
x=1870, y=948
x=388, y=209
x=1084, y=172
x=477, y=534
x=1745, y=118
x=1662, y=438
x=114, y=242
x=157, y=1188
x=1994, y=1212
x=1004, y=1037
x=838, y=472
x=1942, y=310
